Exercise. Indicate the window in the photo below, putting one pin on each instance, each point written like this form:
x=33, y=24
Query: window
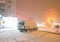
x=2, y=10
x=2, y=0
x=2, y=5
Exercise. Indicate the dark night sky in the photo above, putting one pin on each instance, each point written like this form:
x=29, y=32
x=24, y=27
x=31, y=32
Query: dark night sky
x=36, y=9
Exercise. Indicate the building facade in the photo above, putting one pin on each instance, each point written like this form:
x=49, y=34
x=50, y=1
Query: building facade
x=7, y=7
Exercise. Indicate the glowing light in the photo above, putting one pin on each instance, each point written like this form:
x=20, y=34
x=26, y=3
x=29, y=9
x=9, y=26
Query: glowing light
x=10, y=22
x=40, y=25
x=56, y=23
x=0, y=16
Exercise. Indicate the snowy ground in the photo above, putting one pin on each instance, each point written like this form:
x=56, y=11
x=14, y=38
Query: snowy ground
x=35, y=36
x=54, y=30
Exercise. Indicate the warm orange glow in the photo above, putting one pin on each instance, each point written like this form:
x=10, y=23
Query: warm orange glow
x=50, y=20
x=50, y=15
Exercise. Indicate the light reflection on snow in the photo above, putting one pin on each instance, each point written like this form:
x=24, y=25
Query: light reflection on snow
x=10, y=23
